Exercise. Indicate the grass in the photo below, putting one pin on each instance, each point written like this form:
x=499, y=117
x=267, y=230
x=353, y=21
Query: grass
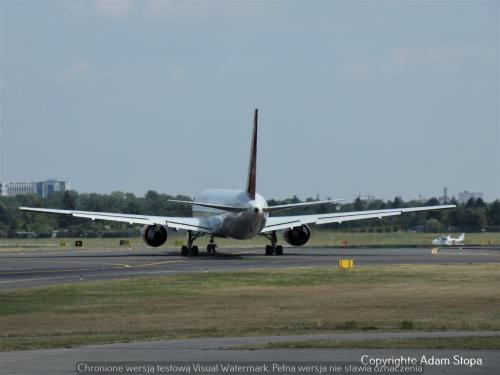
x=472, y=342
x=319, y=237
x=263, y=302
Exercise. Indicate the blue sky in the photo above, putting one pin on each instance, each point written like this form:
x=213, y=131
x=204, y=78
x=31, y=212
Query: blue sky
x=376, y=97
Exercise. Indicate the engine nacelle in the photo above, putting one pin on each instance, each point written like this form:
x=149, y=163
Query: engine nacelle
x=297, y=236
x=154, y=235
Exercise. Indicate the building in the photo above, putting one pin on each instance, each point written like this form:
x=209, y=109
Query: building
x=3, y=190
x=42, y=188
x=465, y=195
x=444, y=198
x=45, y=188
x=18, y=188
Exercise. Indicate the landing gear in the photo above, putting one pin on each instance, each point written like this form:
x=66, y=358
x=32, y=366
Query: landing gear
x=190, y=249
x=269, y=250
x=211, y=246
x=184, y=251
x=274, y=248
x=279, y=250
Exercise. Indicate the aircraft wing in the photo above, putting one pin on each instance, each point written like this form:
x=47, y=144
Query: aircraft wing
x=286, y=222
x=186, y=223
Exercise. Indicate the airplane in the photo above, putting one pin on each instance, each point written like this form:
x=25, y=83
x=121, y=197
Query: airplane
x=238, y=214
x=448, y=241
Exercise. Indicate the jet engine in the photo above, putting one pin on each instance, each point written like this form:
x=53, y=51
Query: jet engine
x=297, y=236
x=154, y=235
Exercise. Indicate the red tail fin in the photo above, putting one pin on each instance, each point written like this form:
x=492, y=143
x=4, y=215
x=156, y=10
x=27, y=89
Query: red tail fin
x=252, y=170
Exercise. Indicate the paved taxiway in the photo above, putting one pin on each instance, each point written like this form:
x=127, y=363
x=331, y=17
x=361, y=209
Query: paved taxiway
x=63, y=361
x=50, y=267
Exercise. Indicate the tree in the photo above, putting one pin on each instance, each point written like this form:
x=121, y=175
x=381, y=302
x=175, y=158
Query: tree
x=494, y=212
x=480, y=203
x=397, y=203
x=358, y=205
x=433, y=202
x=69, y=200
x=433, y=225
x=471, y=203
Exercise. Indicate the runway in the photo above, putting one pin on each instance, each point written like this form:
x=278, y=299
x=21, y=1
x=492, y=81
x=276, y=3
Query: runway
x=226, y=350
x=37, y=268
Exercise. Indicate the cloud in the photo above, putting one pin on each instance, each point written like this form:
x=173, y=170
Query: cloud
x=114, y=8
x=162, y=9
x=171, y=8
x=400, y=61
x=72, y=72
x=175, y=72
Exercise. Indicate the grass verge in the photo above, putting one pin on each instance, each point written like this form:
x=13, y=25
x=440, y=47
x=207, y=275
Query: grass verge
x=319, y=237
x=472, y=342
x=263, y=302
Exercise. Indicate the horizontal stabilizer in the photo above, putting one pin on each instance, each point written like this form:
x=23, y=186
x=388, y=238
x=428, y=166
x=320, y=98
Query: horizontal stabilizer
x=216, y=206
x=293, y=205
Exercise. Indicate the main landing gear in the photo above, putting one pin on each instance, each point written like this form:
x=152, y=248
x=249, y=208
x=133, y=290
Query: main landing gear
x=274, y=248
x=191, y=249
x=211, y=246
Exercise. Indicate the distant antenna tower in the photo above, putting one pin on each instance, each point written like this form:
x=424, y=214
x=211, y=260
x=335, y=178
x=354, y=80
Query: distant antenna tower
x=445, y=195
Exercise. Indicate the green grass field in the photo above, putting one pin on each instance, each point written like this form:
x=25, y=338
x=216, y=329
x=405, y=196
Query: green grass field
x=264, y=302
x=318, y=238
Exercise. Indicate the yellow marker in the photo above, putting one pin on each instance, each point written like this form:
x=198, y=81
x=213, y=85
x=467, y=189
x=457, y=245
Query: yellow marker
x=346, y=264
x=435, y=250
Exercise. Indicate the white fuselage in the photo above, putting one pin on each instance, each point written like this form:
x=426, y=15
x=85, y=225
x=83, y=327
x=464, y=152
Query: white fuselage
x=241, y=225
x=448, y=241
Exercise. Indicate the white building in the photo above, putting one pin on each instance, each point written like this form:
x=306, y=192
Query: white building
x=42, y=188
x=3, y=190
x=17, y=188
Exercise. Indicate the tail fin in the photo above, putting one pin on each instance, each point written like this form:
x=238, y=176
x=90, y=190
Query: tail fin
x=462, y=237
x=252, y=170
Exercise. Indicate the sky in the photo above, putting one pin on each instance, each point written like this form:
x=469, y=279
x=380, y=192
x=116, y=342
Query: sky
x=382, y=98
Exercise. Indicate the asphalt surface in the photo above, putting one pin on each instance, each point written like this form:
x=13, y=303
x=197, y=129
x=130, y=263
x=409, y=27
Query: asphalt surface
x=36, y=268
x=217, y=350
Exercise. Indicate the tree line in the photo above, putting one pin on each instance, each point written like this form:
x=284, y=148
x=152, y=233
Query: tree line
x=473, y=216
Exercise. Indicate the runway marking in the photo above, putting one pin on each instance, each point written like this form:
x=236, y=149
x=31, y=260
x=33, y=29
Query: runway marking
x=48, y=271
x=114, y=266
x=152, y=264
x=86, y=251
x=89, y=276
x=39, y=279
x=67, y=261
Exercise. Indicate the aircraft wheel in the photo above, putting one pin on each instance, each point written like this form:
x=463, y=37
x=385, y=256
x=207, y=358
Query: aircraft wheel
x=184, y=251
x=279, y=250
x=269, y=250
x=194, y=251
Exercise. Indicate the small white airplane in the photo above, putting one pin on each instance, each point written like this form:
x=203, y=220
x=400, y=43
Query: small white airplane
x=239, y=214
x=448, y=241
